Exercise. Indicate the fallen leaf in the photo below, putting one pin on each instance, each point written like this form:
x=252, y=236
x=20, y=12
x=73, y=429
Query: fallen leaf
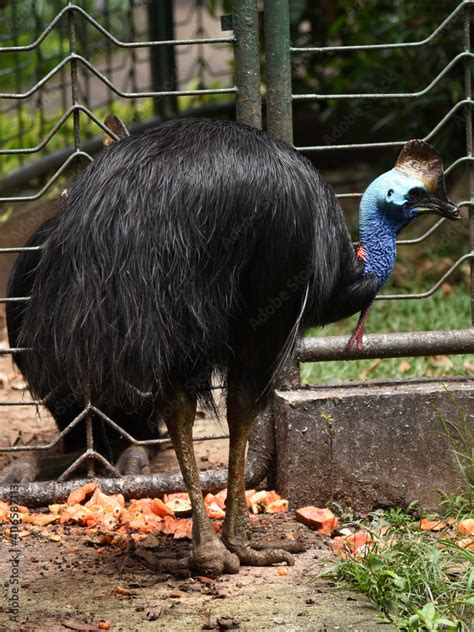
x=40, y=520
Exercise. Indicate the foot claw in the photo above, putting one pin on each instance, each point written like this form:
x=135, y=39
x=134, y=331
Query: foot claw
x=213, y=559
x=134, y=460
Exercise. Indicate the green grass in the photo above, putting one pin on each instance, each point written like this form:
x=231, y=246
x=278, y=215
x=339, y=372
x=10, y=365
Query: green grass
x=419, y=582
x=438, y=312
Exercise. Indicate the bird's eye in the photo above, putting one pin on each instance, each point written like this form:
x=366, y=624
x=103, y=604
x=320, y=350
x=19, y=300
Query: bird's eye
x=415, y=193
x=390, y=193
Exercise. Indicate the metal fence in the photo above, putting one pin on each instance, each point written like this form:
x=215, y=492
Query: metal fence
x=279, y=53
x=99, y=57
x=280, y=99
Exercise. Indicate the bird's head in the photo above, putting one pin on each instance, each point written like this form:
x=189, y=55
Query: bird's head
x=414, y=187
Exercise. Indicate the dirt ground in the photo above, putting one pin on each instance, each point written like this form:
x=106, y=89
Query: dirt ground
x=72, y=584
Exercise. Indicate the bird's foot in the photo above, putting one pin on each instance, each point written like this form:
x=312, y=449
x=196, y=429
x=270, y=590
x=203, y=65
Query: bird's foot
x=212, y=559
x=19, y=471
x=134, y=460
x=263, y=555
x=209, y=560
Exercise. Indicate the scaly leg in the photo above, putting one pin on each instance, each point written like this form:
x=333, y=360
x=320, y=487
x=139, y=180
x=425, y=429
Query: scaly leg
x=240, y=417
x=358, y=335
x=19, y=471
x=210, y=557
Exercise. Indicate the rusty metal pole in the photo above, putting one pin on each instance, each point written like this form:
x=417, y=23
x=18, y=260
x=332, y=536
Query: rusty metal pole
x=469, y=143
x=247, y=63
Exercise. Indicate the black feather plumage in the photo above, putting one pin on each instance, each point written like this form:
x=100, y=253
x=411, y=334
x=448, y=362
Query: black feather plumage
x=194, y=248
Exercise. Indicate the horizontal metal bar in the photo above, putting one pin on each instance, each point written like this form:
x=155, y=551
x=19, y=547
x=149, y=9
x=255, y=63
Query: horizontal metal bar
x=395, y=143
x=109, y=36
x=51, y=181
x=74, y=108
x=418, y=240
x=413, y=344
x=53, y=160
x=73, y=57
x=423, y=42
x=436, y=286
x=386, y=95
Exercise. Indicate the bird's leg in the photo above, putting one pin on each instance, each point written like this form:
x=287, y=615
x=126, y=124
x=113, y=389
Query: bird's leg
x=210, y=557
x=240, y=417
x=20, y=471
x=357, y=336
x=134, y=460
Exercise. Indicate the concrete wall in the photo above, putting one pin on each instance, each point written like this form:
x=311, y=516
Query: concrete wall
x=370, y=445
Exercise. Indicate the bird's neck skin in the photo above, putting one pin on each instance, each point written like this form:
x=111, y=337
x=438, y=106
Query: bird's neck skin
x=378, y=234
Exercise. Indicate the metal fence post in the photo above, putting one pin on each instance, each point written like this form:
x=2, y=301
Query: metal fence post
x=278, y=69
x=247, y=63
x=469, y=143
x=162, y=58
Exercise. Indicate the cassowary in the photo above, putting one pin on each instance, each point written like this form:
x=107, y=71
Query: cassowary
x=168, y=250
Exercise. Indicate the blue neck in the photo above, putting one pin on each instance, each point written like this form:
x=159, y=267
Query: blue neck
x=378, y=238
x=379, y=225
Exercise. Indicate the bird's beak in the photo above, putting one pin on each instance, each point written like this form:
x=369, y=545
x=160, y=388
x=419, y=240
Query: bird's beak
x=443, y=207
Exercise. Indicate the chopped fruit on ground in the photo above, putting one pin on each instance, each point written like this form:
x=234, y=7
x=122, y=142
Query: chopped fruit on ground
x=466, y=527
x=260, y=501
x=178, y=503
x=321, y=519
x=277, y=506
x=432, y=525
x=357, y=544
x=108, y=518
x=77, y=495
